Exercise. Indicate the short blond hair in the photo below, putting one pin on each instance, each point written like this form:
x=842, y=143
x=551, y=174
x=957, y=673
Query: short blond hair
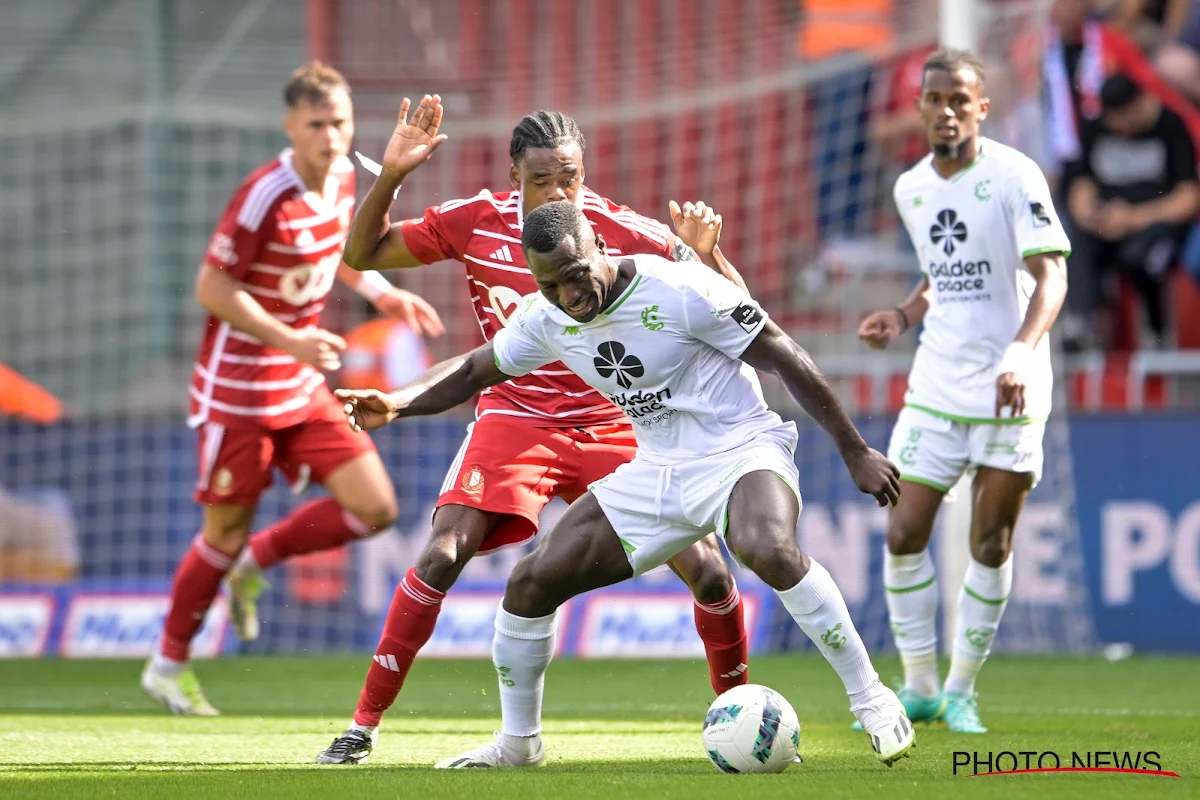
x=314, y=82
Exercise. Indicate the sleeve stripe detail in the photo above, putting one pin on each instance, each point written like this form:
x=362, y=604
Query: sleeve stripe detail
x=639, y=226
x=450, y=205
x=645, y=222
x=262, y=195
x=648, y=226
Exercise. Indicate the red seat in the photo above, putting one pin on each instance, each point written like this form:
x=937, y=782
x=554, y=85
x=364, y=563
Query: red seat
x=1183, y=313
x=1127, y=315
x=1184, y=294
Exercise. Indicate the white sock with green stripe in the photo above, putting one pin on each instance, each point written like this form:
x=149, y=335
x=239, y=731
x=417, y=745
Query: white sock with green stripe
x=980, y=606
x=912, y=598
x=819, y=609
x=521, y=651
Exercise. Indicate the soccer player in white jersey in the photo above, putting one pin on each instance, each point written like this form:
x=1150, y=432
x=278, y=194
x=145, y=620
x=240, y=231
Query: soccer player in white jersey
x=676, y=348
x=992, y=255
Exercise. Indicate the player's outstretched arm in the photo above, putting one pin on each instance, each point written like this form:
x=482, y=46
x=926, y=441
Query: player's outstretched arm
x=1050, y=272
x=881, y=328
x=441, y=388
x=775, y=352
x=374, y=243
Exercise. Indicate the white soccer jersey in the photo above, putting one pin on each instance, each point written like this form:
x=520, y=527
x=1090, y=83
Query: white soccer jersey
x=666, y=353
x=972, y=233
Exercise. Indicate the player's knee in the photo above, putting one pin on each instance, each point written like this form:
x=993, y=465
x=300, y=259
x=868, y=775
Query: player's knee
x=377, y=515
x=527, y=593
x=228, y=539
x=711, y=581
x=441, y=561
x=994, y=545
x=780, y=565
x=905, y=538
x=767, y=546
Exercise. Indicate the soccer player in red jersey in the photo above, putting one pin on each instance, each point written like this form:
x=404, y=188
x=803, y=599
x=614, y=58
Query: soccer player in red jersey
x=534, y=438
x=258, y=395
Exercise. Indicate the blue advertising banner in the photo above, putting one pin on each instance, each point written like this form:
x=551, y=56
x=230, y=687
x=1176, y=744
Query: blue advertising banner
x=1138, y=484
x=1131, y=572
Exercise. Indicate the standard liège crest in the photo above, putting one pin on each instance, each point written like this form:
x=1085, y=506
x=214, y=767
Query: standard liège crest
x=472, y=482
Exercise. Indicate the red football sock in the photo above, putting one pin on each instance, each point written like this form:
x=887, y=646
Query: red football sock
x=726, y=645
x=319, y=525
x=408, y=626
x=197, y=581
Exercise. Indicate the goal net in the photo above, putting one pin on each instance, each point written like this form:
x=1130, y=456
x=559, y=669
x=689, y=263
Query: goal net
x=740, y=103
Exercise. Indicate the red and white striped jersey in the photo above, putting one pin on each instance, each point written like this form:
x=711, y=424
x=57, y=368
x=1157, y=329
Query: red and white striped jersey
x=284, y=243
x=484, y=233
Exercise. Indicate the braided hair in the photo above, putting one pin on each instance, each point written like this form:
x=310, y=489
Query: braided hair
x=544, y=129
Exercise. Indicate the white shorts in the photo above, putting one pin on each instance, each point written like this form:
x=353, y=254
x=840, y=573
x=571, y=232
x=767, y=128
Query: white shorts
x=936, y=451
x=658, y=511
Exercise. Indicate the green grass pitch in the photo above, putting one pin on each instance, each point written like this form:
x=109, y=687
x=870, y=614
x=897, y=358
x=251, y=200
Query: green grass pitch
x=614, y=729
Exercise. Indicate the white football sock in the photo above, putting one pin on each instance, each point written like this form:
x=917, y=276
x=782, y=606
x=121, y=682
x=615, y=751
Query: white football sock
x=369, y=730
x=817, y=605
x=521, y=651
x=246, y=563
x=167, y=667
x=910, y=584
x=980, y=605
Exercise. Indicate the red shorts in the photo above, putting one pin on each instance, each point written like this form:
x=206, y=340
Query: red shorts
x=508, y=466
x=236, y=461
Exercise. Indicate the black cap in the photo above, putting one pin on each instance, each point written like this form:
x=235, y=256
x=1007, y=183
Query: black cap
x=1118, y=92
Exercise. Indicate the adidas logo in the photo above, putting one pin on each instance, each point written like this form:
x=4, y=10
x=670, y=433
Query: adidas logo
x=304, y=238
x=741, y=668
x=388, y=662
x=503, y=254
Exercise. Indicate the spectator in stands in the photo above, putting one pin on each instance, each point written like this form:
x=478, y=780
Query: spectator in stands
x=1014, y=73
x=1080, y=53
x=1133, y=194
x=1149, y=23
x=895, y=123
x=1178, y=59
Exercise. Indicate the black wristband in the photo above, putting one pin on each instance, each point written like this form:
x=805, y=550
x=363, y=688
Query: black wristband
x=903, y=316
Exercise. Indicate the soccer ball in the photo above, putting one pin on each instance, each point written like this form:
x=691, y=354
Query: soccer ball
x=751, y=728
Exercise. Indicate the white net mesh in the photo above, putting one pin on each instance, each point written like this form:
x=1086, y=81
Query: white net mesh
x=111, y=198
